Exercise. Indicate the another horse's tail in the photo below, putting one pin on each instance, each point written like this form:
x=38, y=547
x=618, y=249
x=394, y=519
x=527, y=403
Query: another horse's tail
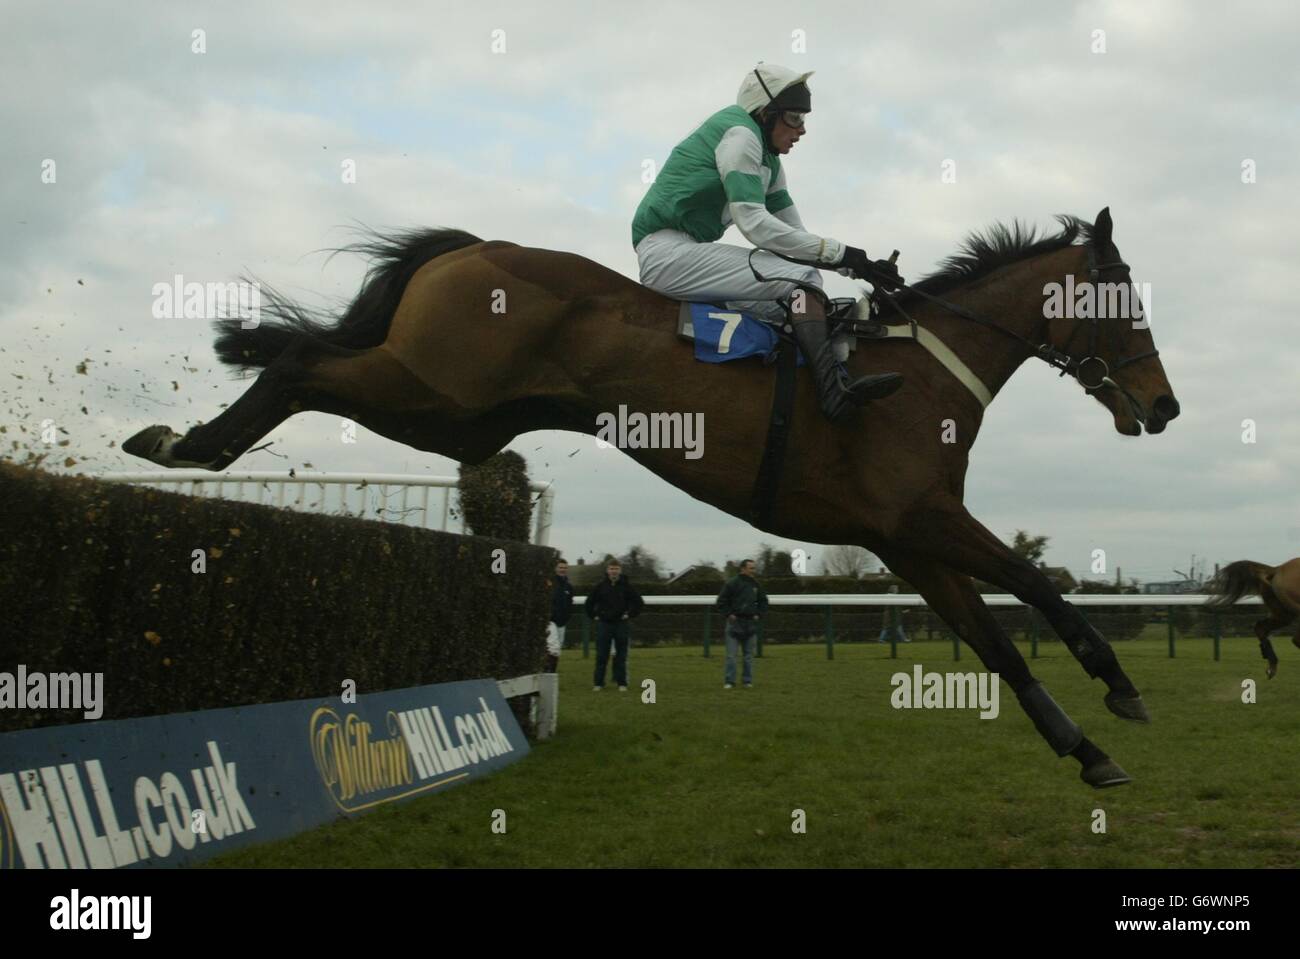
x=1237, y=579
x=365, y=322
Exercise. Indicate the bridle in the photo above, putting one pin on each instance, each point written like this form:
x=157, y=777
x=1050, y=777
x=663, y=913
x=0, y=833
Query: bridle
x=1068, y=364
x=1081, y=369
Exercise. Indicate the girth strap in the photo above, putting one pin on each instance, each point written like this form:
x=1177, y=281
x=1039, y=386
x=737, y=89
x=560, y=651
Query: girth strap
x=768, y=480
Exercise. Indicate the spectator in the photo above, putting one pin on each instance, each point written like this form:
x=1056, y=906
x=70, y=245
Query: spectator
x=893, y=623
x=612, y=603
x=561, y=610
x=742, y=601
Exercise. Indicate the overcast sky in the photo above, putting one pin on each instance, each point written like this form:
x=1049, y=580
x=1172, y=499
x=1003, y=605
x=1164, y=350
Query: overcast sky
x=209, y=164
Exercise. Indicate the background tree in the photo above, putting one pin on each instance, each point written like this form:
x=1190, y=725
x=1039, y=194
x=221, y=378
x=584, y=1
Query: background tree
x=494, y=497
x=641, y=564
x=773, y=562
x=1031, y=548
x=848, y=561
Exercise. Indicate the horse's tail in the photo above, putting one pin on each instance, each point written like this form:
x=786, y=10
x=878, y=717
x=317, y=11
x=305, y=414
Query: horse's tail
x=363, y=324
x=1237, y=579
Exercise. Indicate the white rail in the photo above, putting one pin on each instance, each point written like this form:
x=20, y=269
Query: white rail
x=912, y=599
x=270, y=485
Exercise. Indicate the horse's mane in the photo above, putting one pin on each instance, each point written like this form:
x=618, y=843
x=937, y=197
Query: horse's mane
x=996, y=247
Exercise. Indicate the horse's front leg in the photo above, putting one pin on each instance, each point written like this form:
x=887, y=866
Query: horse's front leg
x=954, y=598
x=948, y=534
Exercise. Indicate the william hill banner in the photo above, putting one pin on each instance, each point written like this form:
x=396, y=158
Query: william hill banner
x=173, y=790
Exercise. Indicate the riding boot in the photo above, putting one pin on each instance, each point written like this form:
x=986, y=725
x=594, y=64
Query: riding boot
x=837, y=392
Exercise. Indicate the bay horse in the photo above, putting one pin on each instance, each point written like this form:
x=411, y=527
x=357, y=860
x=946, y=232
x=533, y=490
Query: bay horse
x=1277, y=586
x=456, y=346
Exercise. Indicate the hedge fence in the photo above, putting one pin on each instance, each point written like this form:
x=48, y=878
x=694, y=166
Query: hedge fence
x=185, y=603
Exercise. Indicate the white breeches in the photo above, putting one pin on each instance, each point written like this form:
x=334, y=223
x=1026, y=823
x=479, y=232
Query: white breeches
x=677, y=265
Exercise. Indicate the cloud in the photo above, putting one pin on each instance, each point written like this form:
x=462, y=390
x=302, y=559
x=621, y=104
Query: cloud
x=229, y=161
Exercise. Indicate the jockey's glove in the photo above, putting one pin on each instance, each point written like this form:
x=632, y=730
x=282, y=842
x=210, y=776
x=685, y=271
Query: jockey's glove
x=880, y=273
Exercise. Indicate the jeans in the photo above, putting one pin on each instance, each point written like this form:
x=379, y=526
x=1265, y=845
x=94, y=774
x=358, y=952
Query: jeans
x=617, y=632
x=740, y=632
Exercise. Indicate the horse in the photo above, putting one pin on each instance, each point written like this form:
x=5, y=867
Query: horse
x=1277, y=586
x=455, y=345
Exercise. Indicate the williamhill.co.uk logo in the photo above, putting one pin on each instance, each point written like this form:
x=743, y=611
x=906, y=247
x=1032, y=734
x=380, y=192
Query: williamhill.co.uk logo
x=65, y=816
x=360, y=771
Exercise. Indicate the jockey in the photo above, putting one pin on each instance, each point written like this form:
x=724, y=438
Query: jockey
x=725, y=172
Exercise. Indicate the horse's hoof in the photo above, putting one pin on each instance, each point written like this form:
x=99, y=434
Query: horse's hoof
x=1104, y=774
x=1128, y=706
x=1271, y=671
x=153, y=444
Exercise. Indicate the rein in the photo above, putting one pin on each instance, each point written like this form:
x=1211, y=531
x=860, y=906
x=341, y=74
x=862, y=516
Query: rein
x=1056, y=358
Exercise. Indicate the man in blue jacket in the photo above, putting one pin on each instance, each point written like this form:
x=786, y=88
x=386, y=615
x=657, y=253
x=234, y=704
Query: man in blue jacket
x=742, y=601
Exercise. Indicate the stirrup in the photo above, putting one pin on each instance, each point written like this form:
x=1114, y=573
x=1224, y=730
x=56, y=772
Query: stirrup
x=873, y=386
x=840, y=308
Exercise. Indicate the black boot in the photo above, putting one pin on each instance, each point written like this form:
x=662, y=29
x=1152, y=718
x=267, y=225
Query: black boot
x=838, y=393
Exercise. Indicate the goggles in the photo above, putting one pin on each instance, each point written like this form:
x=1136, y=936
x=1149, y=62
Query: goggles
x=793, y=118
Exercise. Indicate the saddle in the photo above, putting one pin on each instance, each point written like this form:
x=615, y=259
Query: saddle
x=722, y=334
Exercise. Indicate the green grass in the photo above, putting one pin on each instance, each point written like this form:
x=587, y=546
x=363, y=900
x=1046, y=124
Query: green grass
x=706, y=777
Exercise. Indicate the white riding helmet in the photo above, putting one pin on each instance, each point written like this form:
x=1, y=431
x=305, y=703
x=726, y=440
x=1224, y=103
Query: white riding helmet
x=776, y=78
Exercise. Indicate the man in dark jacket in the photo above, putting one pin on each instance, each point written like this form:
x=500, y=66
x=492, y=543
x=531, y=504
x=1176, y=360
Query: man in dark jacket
x=561, y=610
x=742, y=601
x=611, y=603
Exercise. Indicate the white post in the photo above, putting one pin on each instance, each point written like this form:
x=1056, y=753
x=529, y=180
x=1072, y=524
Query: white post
x=545, y=506
x=548, y=710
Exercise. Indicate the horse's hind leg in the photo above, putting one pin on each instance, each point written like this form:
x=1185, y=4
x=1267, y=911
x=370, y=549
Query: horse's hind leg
x=954, y=597
x=1278, y=617
x=952, y=536
x=290, y=384
x=1262, y=628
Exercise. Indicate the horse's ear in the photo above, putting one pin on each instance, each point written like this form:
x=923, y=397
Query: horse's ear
x=1101, y=230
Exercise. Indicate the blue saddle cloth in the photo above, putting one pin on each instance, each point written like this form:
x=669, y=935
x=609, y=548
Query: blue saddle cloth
x=722, y=335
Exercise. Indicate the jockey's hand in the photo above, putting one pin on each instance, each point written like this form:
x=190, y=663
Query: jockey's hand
x=881, y=273
x=885, y=275
x=855, y=263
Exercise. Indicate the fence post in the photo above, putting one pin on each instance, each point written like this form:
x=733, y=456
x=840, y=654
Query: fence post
x=758, y=623
x=1218, y=634
x=956, y=647
x=830, y=634
x=708, y=629
x=1169, y=612
x=586, y=635
x=1033, y=633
